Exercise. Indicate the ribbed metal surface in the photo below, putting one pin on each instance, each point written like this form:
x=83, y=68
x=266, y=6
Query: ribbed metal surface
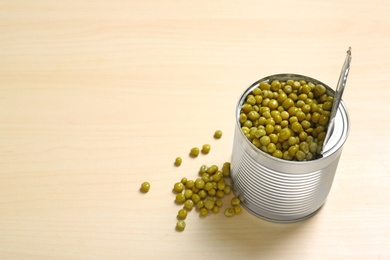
x=280, y=190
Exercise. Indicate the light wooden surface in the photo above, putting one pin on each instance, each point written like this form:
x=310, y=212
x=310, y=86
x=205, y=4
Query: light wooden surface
x=98, y=96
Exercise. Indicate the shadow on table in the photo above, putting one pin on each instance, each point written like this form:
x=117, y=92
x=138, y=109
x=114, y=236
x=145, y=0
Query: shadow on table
x=251, y=236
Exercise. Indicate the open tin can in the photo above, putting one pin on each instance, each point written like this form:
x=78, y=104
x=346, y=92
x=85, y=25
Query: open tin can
x=279, y=190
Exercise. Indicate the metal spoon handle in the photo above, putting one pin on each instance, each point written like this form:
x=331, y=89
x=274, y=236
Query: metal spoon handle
x=338, y=94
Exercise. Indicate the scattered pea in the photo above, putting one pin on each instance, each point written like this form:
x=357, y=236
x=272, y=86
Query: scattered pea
x=187, y=194
x=200, y=204
x=229, y=212
x=180, y=225
x=180, y=198
x=227, y=190
x=194, y=152
x=188, y=204
x=209, y=203
x=199, y=183
x=178, y=161
x=203, y=212
x=190, y=184
x=182, y=214
x=237, y=209
x=178, y=187
x=206, y=148
x=206, y=193
x=218, y=134
x=145, y=186
x=235, y=201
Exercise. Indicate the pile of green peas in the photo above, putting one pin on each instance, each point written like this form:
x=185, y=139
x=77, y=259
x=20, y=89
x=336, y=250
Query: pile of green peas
x=287, y=119
x=205, y=193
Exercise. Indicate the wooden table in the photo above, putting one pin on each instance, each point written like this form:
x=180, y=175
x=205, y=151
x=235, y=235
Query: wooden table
x=98, y=96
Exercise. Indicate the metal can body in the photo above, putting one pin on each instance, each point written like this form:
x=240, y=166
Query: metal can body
x=280, y=190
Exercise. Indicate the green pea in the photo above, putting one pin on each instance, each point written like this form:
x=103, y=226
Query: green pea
x=194, y=152
x=200, y=204
x=278, y=154
x=202, y=194
x=304, y=147
x=212, y=169
x=188, y=204
x=205, y=177
x=208, y=186
x=246, y=108
x=218, y=202
x=180, y=198
x=323, y=120
x=256, y=91
x=301, y=116
x=293, y=150
x=209, y=203
x=300, y=155
x=273, y=104
x=306, y=108
x=180, y=225
x=253, y=115
x=282, y=97
x=178, y=161
x=199, y=183
x=219, y=194
x=187, y=194
x=237, y=209
x=218, y=134
x=284, y=134
x=227, y=190
x=302, y=135
x=190, y=184
x=203, y=169
x=313, y=147
x=288, y=103
x=269, y=129
x=271, y=148
x=284, y=123
x=287, y=89
x=226, y=169
x=182, y=214
x=218, y=176
x=265, y=140
x=296, y=127
x=212, y=192
x=287, y=156
x=235, y=201
x=145, y=186
x=221, y=185
x=206, y=148
x=178, y=187
x=251, y=100
x=195, y=198
x=203, y=212
x=319, y=90
x=229, y=212
x=273, y=137
x=264, y=86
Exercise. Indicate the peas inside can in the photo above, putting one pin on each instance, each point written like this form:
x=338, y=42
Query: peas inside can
x=287, y=119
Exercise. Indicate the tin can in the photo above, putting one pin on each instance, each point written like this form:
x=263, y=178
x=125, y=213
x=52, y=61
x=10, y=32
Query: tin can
x=279, y=190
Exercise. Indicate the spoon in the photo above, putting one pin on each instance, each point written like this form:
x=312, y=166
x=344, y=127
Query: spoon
x=337, y=98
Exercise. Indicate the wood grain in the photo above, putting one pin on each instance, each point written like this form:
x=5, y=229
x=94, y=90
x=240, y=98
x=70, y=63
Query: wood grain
x=99, y=96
